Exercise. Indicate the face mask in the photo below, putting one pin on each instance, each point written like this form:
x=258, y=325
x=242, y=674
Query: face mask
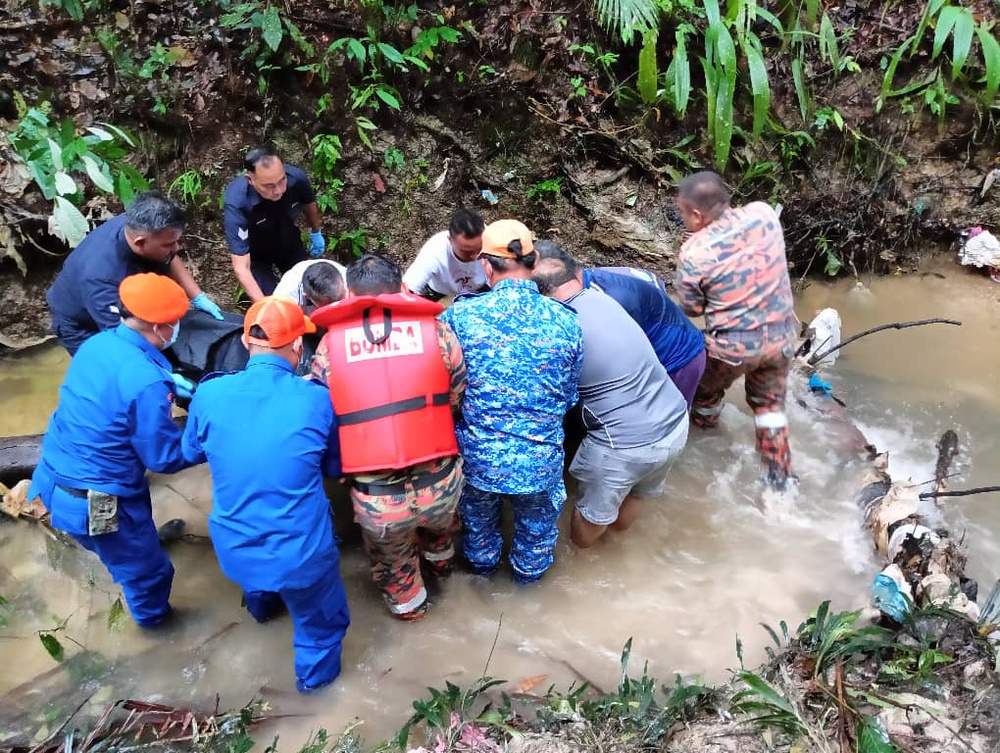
x=173, y=336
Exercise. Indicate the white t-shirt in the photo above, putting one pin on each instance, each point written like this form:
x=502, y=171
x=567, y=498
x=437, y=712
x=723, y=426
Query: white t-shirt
x=290, y=284
x=437, y=272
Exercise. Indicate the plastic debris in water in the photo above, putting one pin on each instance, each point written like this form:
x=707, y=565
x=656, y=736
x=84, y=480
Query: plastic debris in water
x=490, y=197
x=888, y=597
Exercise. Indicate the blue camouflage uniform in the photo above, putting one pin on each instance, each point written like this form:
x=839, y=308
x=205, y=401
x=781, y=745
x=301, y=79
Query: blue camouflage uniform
x=113, y=423
x=523, y=353
x=266, y=229
x=84, y=297
x=269, y=438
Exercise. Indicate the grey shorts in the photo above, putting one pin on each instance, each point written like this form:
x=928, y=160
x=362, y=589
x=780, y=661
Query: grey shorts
x=606, y=475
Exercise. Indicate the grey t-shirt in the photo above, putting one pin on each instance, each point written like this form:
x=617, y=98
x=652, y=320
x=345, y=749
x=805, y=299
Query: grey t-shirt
x=626, y=396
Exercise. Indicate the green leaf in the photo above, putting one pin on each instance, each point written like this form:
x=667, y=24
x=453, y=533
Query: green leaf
x=271, y=28
x=56, y=152
x=69, y=223
x=682, y=71
x=759, y=86
x=116, y=616
x=101, y=180
x=388, y=97
x=991, y=58
x=828, y=42
x=647, y=67
x=833, y=266
x=945, y=22
x=65, y=185
x=801, y=94
x=961, y=41
x=626, y=17
x=391, y=53
x=872, y=737
x=52, y=645
x=101, y=134
x=356, y=51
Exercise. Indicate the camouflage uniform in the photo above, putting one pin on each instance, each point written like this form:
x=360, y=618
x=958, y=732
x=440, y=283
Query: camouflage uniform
x=734, y=272
x=409, y=514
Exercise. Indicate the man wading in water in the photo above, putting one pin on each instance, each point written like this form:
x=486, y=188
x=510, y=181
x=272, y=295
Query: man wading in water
x=733, y=270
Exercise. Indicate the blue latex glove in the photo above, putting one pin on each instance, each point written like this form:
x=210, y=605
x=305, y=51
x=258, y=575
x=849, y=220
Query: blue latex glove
x=182, y=387
x=318, y=245
x=818, y=385
x=889, y=599
x=203, y=303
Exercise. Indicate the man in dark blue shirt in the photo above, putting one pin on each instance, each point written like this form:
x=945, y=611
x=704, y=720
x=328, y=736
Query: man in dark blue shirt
x=269, y=438
x=679, y=345
x=112, y=424
x=84, y=297
x=259, y=212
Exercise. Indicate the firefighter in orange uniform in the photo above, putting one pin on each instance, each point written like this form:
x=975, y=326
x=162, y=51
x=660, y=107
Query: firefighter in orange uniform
x=397, y=378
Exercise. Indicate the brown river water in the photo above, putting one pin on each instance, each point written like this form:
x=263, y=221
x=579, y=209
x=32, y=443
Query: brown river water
x=702, y=567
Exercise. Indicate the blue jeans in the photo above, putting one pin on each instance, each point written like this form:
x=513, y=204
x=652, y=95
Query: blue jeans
x=320, y=619
x=535, y=516
x=132, y=554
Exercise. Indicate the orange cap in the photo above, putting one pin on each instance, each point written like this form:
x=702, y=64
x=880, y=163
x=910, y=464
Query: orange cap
x=153, y=298
x=498, y=236
x=281, y=319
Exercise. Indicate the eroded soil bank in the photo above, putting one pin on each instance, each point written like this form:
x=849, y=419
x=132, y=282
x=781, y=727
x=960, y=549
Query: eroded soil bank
x=533, y=102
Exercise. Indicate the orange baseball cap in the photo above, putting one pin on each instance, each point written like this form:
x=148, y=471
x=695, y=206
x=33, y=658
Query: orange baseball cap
x=153, y=298
x=281, y=319
x=498, y=236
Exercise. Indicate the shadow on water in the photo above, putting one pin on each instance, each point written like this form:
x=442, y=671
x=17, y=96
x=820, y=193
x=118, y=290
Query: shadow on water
x=702, y=566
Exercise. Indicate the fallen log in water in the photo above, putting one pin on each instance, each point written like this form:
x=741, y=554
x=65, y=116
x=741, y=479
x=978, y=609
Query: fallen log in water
x=18, y=457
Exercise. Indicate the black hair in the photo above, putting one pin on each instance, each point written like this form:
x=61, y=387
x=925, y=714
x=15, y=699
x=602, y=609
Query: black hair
x=549, y=281
x=499, y=263
x=257, y=332
x=374, y=274
x=152, y=212
x=704, y=191
x=322, y=283
x=466, y=222
x=257, y=155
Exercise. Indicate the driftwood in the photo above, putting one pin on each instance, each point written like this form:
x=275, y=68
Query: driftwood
x=19, y=456
x=817, y=357
x=960, y=492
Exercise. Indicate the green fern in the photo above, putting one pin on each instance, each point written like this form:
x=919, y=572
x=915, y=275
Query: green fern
x=626, y=17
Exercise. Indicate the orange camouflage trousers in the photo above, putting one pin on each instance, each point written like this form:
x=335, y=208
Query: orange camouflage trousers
x=419, y=519
x=766, y=381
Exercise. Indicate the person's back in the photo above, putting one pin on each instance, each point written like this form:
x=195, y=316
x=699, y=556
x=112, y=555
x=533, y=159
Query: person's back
x=626, y=396
x=268, y=430
x=673, y=336
x=84, y=292
x=739, y=263
x=519, y=339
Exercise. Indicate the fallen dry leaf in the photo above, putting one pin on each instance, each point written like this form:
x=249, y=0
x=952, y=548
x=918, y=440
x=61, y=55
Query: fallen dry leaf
x=529, y=682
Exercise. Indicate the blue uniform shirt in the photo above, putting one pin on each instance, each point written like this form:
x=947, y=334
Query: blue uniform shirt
x=113, y=420
x=674, y=337
x=523, y=353
x=265, y=229
x=84, y=296
x=269, y=438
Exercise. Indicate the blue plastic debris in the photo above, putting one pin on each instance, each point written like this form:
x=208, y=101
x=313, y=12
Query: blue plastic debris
x=818, y=385
x=889, y=599
x=490, y=197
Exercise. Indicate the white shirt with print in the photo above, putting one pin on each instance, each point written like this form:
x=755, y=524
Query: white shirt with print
x=290, y=284
x=437, y=272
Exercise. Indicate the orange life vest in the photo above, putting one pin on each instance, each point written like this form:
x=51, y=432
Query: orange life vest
x=388, y=382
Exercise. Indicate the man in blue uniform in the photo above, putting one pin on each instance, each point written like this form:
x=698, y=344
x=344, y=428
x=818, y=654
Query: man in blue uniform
x=84, y=297
x=269, y=438
x=523, y=353
x=259, y=212
x=679, y=345
x=112, y=424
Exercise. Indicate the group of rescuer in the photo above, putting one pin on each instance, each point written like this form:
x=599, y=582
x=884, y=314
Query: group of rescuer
x=435, y=417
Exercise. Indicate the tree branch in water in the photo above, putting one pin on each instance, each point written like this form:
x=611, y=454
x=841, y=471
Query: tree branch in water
x=817, y=357
x=960, y=493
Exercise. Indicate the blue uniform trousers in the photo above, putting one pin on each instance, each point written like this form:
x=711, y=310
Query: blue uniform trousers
x=535, y=516
x=70, y=333
x=320, y=619
x=132, y=554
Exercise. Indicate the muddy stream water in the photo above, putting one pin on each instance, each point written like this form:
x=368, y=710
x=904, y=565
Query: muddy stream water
x=702, y=566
